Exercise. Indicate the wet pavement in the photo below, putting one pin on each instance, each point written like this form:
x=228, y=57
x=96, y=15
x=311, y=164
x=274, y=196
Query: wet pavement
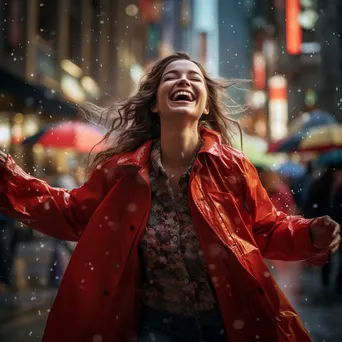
x=23, y=314
x=320, y=311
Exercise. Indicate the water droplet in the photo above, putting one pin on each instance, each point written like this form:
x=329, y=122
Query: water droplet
x=238, y=324
x=97, y=338
x=132, y=207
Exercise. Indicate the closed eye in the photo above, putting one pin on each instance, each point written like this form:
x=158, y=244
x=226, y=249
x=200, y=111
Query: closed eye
x=191, y=79
x=168, y=79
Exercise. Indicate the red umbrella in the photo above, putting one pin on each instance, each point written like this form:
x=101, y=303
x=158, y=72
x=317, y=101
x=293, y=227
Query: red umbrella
x=76, y=135
x=273, y=146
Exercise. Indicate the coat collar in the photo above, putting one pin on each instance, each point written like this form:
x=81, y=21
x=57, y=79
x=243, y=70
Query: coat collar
x=211, y=143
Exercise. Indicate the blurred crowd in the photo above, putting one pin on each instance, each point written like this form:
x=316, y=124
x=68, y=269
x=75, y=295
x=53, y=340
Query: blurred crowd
x=316, y=192
x=12, y=233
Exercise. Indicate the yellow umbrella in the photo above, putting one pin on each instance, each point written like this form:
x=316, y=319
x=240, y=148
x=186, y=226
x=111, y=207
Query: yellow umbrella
x=322, y=138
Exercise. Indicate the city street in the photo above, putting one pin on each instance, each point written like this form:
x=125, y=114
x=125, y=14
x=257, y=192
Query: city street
x=27, y=326
x=234, y=107
x=320, y=313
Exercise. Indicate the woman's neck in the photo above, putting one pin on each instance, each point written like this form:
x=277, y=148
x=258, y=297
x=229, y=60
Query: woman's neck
x=178, y=146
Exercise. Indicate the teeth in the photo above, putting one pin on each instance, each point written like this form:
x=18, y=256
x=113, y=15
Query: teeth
x=186, y=93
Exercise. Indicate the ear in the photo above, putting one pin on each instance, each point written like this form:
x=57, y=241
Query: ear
x=154, y=109
x=206, y=109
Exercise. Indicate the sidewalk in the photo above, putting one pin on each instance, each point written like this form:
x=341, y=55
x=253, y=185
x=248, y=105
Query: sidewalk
x=319, y=309
x=31, y=272
x=18, y=303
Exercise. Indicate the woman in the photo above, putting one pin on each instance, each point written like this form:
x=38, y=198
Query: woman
x=173, y=225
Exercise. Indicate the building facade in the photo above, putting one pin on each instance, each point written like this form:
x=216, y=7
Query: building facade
x=55, y=53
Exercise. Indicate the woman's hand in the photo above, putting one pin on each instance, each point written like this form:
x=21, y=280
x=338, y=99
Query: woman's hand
x=325, y=233
x=3, y=158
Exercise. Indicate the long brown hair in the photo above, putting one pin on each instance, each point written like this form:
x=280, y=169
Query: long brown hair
x=133, y=119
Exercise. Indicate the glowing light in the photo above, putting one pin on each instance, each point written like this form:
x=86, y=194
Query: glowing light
x=5, y=134
x=90, y=85
x=293, y=29
x=71, y=68
x=132, y=10
x=72, y=88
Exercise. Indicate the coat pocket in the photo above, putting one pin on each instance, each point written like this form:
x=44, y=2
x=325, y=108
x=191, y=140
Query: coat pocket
x=227, y=199
x=235, y=218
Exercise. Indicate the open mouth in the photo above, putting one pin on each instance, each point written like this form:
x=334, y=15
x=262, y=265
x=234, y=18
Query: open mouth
x=182, y=95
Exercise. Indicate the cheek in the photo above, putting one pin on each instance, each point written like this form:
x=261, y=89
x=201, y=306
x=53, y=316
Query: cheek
x=204, y=97
x=161, y=95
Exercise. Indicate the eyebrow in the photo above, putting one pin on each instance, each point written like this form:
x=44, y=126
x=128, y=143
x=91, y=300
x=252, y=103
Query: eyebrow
x=176, y=72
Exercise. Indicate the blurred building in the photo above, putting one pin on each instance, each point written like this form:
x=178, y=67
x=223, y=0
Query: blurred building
x=296, y=62
x=54, y=53
x=329, y=36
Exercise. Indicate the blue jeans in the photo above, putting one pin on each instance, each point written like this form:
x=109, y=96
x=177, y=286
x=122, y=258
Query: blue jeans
x=160, y=326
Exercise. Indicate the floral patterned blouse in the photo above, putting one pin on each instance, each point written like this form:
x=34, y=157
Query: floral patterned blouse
x=175, y=278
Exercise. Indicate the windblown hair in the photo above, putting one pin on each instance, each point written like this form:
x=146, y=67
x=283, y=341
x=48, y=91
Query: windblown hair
x=135, y=123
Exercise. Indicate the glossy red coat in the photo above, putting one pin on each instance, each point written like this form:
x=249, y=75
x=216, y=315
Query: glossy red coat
x=236, y=223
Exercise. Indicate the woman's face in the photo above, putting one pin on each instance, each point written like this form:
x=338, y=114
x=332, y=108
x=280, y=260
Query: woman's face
x=182, y=91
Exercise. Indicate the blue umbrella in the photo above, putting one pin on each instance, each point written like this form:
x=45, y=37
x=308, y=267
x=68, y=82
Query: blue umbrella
x=290, y=169
x=317, y=118
x=330, y=158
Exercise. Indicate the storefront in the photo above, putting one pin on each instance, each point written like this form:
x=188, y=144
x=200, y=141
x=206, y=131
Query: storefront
x=24, y=110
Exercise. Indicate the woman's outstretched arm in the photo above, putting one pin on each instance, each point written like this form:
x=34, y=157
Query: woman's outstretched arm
x=52, y=211
x=278, y=235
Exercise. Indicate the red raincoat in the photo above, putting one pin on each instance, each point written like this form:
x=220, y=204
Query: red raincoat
x=236, y=223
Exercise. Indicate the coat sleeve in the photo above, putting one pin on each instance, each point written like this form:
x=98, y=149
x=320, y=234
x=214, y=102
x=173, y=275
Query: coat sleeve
x=278, y=235
x=52, y=211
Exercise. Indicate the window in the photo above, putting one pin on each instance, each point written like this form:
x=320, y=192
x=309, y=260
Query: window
x=47, y=20
x=75, y=31
x=12, y=14
x=95, y=39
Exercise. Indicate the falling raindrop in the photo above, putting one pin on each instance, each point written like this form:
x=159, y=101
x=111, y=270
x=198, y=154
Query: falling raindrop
x=132, y=207
x=238, y=324
x=97, y=338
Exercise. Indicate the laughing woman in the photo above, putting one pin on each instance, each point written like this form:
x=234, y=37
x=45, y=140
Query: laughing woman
x=172, y=226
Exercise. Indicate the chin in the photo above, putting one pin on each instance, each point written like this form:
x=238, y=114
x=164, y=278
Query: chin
x=185, y=111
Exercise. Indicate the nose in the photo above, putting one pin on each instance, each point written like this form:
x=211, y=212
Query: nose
x=184, y=81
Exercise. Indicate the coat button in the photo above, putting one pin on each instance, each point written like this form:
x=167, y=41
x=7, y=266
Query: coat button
x=131, y=228
x=195, y=168
x=260, y=290
x=105, y=293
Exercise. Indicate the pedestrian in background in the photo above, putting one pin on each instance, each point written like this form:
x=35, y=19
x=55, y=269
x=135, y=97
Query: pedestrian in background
x=280, y=194
x=324, y=199
x=279, y=191
x=173, y=225
x=336, y=214
x=8, y=241
x=62, y=250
